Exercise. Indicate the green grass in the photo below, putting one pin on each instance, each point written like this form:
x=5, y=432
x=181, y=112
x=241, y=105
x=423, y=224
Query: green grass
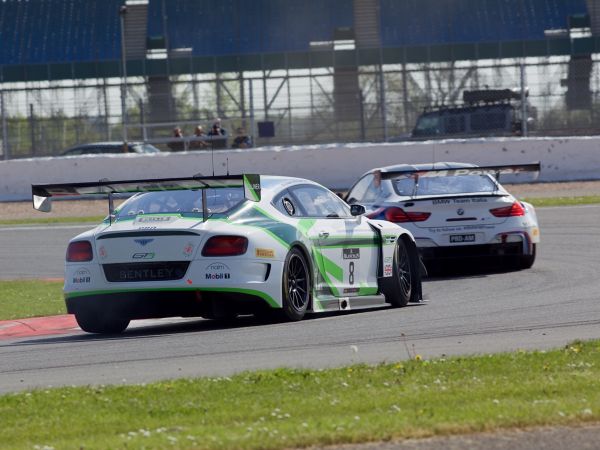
x=53, y=220
x=296, y=408
x=564, y=201
x=30, y=298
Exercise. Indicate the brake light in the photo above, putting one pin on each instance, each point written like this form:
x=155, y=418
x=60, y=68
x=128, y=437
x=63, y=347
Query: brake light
x=225, y=246
x=398, y=215
x=79, y=251
x=516, y=209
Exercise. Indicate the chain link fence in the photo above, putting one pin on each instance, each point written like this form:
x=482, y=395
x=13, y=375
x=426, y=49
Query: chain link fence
x=553, y=96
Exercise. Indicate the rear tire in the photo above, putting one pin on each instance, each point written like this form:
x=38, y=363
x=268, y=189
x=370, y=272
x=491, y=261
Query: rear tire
x=526, y=261
x=101, y=323
x=400, y=287
x=295, y=286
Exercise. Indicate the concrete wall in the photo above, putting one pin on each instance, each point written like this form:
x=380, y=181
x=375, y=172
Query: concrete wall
x=336, y=166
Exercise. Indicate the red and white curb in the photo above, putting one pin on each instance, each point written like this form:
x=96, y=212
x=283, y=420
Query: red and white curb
x=38, y=326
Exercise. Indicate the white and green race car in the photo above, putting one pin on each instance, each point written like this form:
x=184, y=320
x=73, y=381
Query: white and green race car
x=221, y=246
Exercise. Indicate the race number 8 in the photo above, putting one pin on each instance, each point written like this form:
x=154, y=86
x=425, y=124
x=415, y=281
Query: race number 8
x=351, y=270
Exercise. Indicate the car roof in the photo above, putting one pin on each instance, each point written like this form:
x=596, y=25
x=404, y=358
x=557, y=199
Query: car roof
x=104, y=144
x=466, y=109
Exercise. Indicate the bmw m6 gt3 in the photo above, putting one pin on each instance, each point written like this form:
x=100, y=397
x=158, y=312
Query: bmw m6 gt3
x=454, y=210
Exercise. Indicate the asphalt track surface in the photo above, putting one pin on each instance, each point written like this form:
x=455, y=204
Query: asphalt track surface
x=469, y=312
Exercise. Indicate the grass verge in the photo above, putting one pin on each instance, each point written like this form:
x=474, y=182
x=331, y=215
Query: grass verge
x=296, y=408
x=30, y=298
x=563, y=201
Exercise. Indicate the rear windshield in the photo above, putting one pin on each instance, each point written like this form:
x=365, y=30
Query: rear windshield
x=461, y=184
x=218, y=201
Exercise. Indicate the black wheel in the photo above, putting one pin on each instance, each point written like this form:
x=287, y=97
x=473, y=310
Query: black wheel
x=399, y=289
x=101, y=323
x=526, y=261
x=296, y=286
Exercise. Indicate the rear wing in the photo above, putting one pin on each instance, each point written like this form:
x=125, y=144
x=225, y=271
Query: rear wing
x=42, y=193
x=496, y=171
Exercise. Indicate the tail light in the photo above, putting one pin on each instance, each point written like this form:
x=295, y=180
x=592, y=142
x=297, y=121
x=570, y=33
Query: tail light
x=516, y=209
x=398, y=215
x=80, y=251
x=225, y=246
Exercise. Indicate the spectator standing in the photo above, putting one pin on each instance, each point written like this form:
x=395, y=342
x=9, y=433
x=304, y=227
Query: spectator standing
x=241, y=140
x=177, y=144
x=218, y=135
x=200, y=144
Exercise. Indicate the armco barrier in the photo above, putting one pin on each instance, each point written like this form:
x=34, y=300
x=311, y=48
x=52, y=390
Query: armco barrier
x=336, y=166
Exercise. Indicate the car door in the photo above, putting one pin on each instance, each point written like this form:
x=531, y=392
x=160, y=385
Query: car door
x=346, y=249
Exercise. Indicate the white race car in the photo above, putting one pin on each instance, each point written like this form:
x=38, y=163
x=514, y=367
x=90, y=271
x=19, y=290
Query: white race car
x=221, y=246
x=454, y=210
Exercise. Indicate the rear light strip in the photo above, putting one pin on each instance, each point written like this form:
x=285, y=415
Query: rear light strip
x=398, y=215
x=514, y=210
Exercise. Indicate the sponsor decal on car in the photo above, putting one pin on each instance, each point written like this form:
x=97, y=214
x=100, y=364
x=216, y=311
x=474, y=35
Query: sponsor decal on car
x=188, y=249
x=387, y=270
x=102, y=252
x=264, y=253
x=154, y=219
x=351, y=290
x=164, y=273
x=389, y=239
x=82, y=276
x=217, y=271
x=351, y=253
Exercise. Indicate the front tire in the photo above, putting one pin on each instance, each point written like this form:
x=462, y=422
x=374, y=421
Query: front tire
x=295, y=286
x=400, y=287
x=101, y=323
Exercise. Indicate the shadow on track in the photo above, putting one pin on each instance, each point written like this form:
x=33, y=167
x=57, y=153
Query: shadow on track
x=466, y=268
x=194, y=325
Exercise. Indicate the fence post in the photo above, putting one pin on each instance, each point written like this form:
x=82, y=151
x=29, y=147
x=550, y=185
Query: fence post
x=32, y=129
x=383, y=105
x=5, y=147
x=361, y=99
x=524, y=130
x=251, y=101
x=143, y=121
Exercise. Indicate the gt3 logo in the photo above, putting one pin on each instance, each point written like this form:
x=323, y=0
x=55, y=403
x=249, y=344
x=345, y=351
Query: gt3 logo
x=142, y=256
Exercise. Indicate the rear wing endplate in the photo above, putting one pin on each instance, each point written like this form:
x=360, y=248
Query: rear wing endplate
x=496, y=171
x=42, y=193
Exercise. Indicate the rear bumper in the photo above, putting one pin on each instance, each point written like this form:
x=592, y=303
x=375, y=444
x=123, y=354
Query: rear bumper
x=165, y=303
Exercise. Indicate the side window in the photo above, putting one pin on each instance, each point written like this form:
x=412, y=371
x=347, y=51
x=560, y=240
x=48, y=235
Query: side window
x=357, y=194
x=454, y=124
x=488, y=120
x=319, y=202
x=427, y=126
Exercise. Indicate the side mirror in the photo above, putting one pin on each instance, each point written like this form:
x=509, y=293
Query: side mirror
x=357, y=210
x=43, y=204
